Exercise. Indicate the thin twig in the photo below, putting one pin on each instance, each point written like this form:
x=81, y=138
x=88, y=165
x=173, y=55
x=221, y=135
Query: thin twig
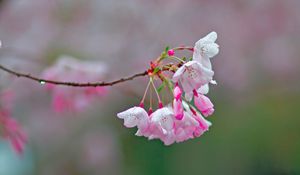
x=75, y=84
x=88, y=84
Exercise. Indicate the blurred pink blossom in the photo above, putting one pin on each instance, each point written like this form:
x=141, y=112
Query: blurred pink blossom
x=11, y=130
x=9, y=127
x=70, y=69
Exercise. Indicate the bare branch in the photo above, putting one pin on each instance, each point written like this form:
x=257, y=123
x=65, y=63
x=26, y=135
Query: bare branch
x=75, y=84
x=89, y=84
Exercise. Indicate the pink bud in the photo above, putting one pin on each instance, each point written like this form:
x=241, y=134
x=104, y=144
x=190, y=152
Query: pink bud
x=204, y=104
x=178, y=109
x=177, y=92
x=171, y=52
x=160, y=105
x=150, y=111
x=203, y=124
x=142, y=104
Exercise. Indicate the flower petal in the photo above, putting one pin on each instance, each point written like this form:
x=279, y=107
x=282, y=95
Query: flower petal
x=135, y=116
x=189, y=96
x=178, y=74
x=203, y=89
x=164, y=117
x=211, y=50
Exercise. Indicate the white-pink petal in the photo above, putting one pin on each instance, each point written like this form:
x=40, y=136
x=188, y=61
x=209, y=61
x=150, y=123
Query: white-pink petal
x=205, y=49
x=135, y=116
x=178, y=74
x=164, y=117
x=178, y=109
x=203, y=89
x=193, y=75
x=204, y=104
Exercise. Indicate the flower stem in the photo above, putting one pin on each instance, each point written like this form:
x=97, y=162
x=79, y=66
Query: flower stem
x=145, y=93
x=177, y=58
x=159, y=100
x=151, y=98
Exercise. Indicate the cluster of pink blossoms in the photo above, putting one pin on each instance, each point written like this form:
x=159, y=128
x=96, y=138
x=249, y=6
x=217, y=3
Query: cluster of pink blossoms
x=70, y=69
x=9, y=127
x=183, y=118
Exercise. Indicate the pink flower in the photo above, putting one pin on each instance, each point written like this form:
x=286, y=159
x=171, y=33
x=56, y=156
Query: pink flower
x=71, y=69
x=203, y=125
x=135, y=116
x=11, y=130
x=204, y=104
x=205, y=49
x=202, y=90
x=160, y=126
x=192, y=75
x=185, y=128
x=164, y=118
x=164, y=126
x=180, y=121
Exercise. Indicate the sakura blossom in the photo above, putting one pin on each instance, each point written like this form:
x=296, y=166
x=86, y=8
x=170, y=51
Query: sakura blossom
x=205, y=49
x=178, y=120
x=135, y=116
x=69, y=68
x=162, y=124
x=192, y=75
x=204, y=104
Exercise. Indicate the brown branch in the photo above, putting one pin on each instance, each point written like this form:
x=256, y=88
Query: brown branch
x=90, y=84
x=75, y=84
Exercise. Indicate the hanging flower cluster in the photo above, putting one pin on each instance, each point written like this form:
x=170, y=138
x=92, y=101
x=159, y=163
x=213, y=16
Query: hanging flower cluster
x=182, y=118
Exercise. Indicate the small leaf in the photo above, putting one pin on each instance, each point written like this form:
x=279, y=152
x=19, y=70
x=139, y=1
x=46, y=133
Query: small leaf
x=170, y=85
x=161, y=87
x=157, y=69
x=167, y=49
